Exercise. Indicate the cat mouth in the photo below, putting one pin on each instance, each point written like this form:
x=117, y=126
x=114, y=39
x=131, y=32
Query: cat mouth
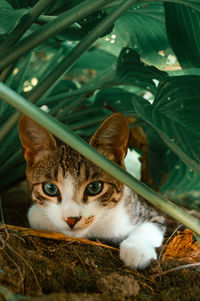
x=79, y=223
x=72, y=221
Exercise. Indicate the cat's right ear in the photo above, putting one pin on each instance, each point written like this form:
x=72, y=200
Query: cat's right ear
x=111, y=138
x=34, y=138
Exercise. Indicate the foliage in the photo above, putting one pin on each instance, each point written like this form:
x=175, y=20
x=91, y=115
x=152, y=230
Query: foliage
x=145, y=65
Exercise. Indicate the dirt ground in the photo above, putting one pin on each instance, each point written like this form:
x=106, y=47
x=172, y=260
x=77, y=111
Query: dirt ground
x=34, y=268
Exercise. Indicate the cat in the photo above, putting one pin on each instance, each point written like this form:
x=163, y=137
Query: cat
x=73, y=196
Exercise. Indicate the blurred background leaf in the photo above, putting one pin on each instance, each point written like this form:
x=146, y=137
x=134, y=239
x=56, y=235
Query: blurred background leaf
x=9, y=17
x=142, y=28
x=183, y=25
x=175, y=116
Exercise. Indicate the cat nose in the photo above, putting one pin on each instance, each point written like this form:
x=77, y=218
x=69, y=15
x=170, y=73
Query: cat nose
x=71, y=221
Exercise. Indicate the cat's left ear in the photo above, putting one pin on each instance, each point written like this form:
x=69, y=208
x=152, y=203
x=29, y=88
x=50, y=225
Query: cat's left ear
x=34, y=138
x=111, y=138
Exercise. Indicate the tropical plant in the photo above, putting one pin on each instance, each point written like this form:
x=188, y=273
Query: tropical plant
x=81, y=60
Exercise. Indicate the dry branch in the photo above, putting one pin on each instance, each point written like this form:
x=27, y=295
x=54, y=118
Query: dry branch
x=53, y=235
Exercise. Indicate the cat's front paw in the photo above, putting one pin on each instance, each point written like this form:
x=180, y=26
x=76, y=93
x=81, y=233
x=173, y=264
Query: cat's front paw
x=137, y=254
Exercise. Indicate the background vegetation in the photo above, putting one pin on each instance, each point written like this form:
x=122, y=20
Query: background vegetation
x=82, y=60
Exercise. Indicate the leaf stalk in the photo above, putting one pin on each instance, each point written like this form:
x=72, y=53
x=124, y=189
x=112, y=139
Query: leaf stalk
x=67, y=136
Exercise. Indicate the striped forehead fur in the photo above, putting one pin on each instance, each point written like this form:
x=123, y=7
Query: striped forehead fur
x=56, y=165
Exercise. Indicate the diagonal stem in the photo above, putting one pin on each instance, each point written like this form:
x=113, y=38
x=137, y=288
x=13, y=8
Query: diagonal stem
x=25, y=22
x=78, y=50
x=67, y=136
x=67, y=62
x=52, y=28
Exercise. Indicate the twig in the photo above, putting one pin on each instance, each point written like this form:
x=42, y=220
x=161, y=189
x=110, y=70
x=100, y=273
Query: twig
x=54, y=235
x=176, y=269
x=166, y=243
x=80, y=259
x=2, y=224
x=140, y=275
x=26, y=263
x=18, y=269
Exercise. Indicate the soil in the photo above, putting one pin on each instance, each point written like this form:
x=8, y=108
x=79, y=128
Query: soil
x=34, y=268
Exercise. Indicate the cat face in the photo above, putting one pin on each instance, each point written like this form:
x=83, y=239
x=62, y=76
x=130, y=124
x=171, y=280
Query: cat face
x=70, y=190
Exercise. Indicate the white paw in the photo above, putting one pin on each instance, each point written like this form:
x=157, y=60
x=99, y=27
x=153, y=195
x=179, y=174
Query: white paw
x=137, y=254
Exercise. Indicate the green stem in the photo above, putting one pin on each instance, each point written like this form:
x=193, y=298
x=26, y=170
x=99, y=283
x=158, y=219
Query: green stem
x=62, y=67
x=5, y=73
x=67, y=62
x=67, y=136
x=104, y=80
x=75, y=14
x=45, y=19
x=87, y=123
x=78, y=50
x=25, y=22
x=8, y=125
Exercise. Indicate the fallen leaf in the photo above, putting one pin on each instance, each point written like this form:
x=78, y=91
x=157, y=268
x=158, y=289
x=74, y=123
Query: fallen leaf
x=183, y=246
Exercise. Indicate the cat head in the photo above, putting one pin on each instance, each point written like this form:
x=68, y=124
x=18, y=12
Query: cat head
x=70, y=190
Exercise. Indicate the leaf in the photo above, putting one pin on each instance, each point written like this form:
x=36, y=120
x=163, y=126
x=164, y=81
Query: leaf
x=165, y=172
x=129, y=71
x=79, y=30
x=95, y=58
x=27, y=72
x=183, y=25
x=160, y=160
x=175, y=116
x=181, y=179
x=142, y=28
x=131, y=68
x=88, y=23
x=184, y=247
x=9, y=17
x=116, y=99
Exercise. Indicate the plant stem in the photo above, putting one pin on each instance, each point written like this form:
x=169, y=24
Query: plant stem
x=75, y=14
x=78, y=50
x=67, y=136
x=5, y=74
x=67, y=62
x=8, y=125
x=25, y=22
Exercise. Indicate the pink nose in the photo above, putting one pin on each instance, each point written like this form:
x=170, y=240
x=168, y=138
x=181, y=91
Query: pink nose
x=71, y=221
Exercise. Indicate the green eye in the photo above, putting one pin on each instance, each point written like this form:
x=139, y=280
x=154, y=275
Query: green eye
x=50, y=189
x=94, y=188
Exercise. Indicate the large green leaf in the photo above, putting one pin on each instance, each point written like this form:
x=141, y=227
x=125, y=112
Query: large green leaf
x=128, y=71
x=95, y=58
x=131, y=69
x=142, y=28
x=160, y=158
x=183, y=27
x=183, y=186
x=181, y=179
x=181, y=183
x=175, y=116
